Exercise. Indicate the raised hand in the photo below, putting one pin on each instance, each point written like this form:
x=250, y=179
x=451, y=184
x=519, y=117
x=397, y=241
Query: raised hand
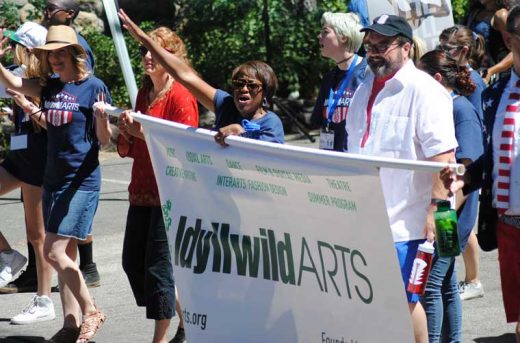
x=4, y=47
x=132, y=28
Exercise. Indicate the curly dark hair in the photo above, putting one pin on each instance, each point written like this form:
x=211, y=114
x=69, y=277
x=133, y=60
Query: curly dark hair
x=453, y=76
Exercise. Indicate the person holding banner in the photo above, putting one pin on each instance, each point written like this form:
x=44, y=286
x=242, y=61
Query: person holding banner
x=399, y=111
x=146, y=254
x=244, y=113
x=339, y=40
x=64, y=12
x=441, y=301
x=72, y=174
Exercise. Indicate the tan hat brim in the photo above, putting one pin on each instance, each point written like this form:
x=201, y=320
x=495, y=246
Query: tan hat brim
x=55, y=46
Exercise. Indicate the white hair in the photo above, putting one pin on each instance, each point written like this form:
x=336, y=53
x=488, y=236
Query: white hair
x=345, y=25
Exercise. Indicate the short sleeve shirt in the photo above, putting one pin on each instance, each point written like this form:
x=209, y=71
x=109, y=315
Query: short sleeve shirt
x=332, y=80
x=469, y=132
x=72, y=148
x=412, y=118
x=271, y=128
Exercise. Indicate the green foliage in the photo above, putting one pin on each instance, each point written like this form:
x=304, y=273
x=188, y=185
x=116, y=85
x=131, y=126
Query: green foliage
x=460, y=8
x=9, y=14
x=36, y=13
x=218, y=41
x=107, y=66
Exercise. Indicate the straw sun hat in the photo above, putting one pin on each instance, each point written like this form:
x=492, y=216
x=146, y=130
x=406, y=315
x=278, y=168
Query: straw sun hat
x=60, y=36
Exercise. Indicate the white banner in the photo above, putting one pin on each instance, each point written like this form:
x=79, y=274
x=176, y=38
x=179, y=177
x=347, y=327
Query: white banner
x=427, y=17
x=275, y=243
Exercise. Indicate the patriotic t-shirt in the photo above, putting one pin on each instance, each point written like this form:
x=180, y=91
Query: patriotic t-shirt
x=333, y=80
x=72, y=145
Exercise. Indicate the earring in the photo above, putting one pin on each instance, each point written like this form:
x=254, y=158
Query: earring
x=265, y=103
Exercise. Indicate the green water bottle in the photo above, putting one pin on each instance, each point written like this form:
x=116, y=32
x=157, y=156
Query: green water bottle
x=446, y=233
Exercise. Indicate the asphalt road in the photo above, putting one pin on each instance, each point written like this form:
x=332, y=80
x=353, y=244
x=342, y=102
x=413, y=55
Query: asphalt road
x=483, y=319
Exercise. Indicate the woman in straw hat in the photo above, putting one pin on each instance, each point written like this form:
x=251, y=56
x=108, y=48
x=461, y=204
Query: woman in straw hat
x=23, y=168
x=72, y=174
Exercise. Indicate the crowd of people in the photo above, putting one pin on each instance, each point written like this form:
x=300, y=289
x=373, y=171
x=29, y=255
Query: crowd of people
x=385, y=97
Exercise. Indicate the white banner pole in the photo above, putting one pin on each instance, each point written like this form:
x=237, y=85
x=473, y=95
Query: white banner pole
x=355, y=159
x=122, y=52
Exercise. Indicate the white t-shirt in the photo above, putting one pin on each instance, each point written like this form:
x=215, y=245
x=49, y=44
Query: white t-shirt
x=412, y=118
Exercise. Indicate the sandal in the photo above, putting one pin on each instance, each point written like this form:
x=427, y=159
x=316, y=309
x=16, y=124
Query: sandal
x=65, y=335
x=89, y=327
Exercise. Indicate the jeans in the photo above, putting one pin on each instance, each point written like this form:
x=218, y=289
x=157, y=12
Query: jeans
x=441, y=301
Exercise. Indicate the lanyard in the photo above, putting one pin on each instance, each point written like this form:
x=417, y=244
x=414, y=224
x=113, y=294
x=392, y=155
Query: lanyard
x=333, y=100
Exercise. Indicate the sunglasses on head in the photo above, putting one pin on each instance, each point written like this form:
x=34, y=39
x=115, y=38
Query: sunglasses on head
x=144, y=50
x=251, y=85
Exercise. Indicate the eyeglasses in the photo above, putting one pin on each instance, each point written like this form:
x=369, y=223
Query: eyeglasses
x=53, y=8
x=144, y=50
x=379, y=48
x=251, y=85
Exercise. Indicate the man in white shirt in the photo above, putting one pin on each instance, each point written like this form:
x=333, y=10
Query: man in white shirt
x=401, y=112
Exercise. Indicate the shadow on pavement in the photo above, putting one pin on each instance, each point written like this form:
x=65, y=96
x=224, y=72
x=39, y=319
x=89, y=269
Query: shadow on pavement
x=505, y=338
x=23, y=339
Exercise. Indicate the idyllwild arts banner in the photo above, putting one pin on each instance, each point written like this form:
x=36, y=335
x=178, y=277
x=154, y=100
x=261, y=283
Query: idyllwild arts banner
x=272, y=243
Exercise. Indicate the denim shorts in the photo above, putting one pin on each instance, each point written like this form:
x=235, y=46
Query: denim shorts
x=406, y=252
x=69, y=212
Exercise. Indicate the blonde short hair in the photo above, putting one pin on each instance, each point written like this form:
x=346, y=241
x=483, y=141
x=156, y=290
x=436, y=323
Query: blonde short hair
x=345, y=25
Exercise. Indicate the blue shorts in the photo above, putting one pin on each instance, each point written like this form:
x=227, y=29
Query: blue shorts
x=406, y=252
x=69, y=212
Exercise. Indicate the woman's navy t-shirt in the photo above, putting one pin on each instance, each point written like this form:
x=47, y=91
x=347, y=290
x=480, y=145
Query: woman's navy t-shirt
x=470, y=137
x=271, y=128
x=72, y=148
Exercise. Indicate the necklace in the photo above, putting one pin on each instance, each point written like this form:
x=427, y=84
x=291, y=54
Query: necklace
x=345, y=60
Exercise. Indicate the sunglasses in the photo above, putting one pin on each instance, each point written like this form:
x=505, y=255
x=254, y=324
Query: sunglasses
x=53, y=8
x=448, y=48
x=144, y=50
x=251, y=85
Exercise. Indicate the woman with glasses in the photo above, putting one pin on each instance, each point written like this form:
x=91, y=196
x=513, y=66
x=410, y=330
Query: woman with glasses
x=245, y=113
x=441, y=300
x=23, y=168
x=146, y=254
x=72, y=177
x=339, y=39
x=468, y=49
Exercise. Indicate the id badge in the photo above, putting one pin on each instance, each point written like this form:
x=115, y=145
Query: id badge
x=327, y=139
x=18, y=142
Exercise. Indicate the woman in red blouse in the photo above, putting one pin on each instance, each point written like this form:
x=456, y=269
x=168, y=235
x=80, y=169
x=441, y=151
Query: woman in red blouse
x=146, y=256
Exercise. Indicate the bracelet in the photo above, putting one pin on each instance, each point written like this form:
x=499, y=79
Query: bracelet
x=436, y=201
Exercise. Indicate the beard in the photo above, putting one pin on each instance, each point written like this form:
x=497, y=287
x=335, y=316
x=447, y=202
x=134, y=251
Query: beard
x=382, y=67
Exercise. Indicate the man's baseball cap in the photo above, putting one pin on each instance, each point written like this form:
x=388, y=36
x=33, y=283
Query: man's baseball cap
x=29, y=35
x=390, y=25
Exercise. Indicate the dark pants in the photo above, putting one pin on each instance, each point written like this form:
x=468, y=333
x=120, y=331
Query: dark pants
x=147, y=262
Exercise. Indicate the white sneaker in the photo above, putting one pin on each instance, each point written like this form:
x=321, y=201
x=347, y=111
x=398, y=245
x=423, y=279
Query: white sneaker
x=40, y=309
x=470, y=290
x=10, y=264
